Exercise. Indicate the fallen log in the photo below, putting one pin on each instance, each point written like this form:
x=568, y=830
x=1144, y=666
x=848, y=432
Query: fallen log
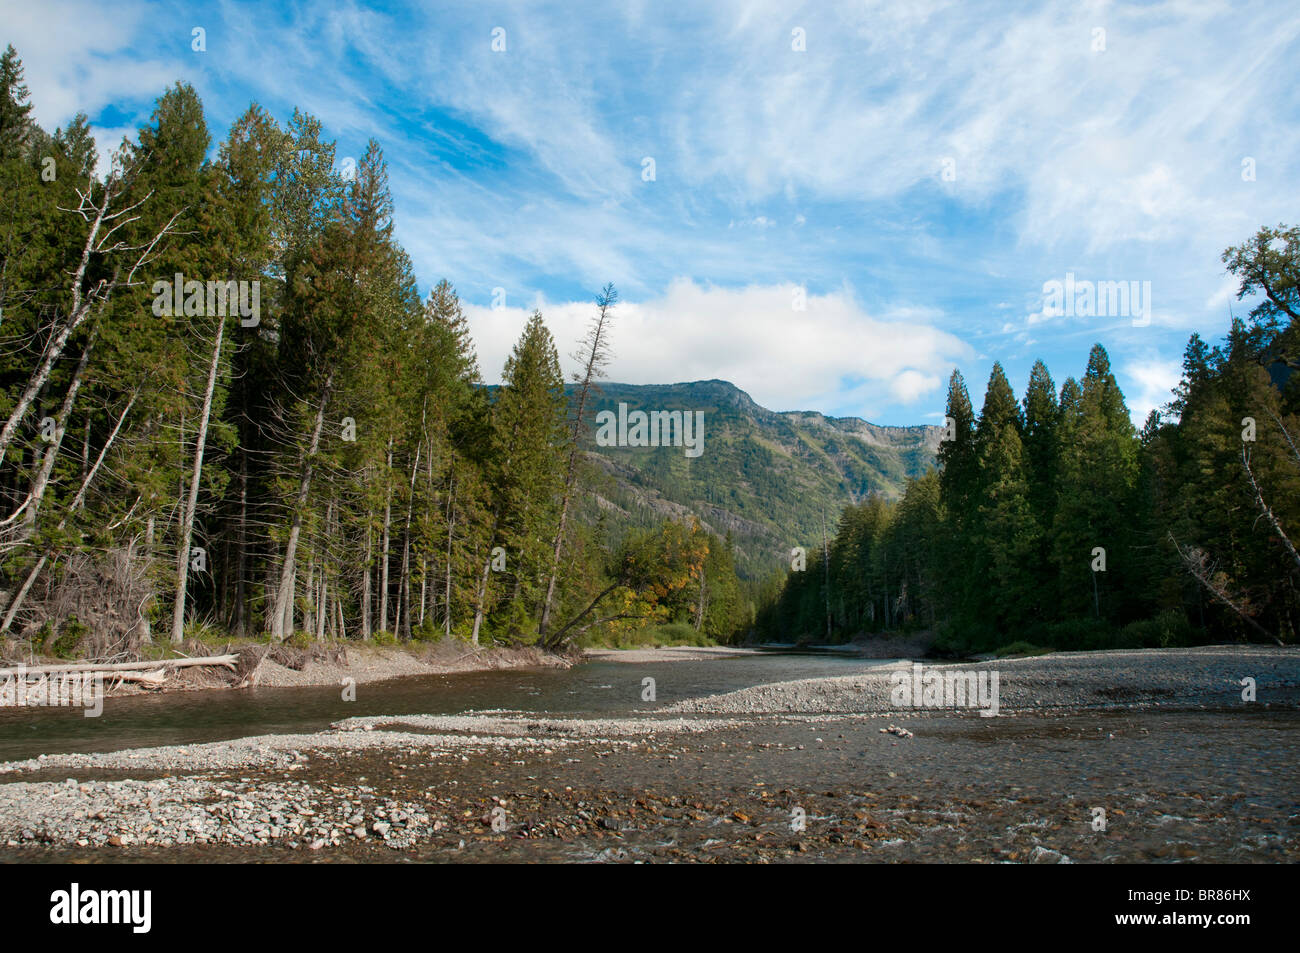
x=147, y=678
x=227, y=661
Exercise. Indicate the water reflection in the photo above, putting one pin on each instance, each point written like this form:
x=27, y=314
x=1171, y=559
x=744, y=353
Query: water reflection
x=596, y=687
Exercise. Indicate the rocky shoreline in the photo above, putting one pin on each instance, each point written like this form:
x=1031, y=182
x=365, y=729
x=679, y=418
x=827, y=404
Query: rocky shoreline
x=719, y=777
x=1210, y=676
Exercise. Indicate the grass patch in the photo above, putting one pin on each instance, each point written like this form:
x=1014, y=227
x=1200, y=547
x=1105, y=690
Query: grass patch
x=655, y=636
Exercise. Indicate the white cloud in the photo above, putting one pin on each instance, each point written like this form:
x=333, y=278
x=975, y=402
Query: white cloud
x=833, y=356
x=1155, y=380
x=523, y=169
x=909, y=385
x=67, y=70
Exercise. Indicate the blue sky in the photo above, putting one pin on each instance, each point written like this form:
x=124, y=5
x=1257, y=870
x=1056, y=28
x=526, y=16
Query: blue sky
x=918, y=171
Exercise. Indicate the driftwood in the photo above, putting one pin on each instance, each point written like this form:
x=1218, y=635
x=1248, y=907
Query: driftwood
x=127, y=670
x=145, y=678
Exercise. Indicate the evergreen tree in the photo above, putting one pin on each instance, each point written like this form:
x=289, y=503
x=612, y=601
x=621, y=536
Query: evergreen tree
x=526, y=473
x=15, y=107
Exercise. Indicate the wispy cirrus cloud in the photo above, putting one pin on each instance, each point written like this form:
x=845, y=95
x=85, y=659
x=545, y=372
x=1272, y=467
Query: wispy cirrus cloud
x=943, y=156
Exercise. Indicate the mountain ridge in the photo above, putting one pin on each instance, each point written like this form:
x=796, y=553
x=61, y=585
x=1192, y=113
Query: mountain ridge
x=767, y=477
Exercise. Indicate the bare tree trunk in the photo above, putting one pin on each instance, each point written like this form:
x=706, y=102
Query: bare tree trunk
x=41, y=479
x=383, y=552
x=482, y=592
x=284, y=595
x=428, y=520
x=323, y=610
x=597, y=348
x=241, y=542
x=81, y=303
x=16, y=603
x=451, y=526
x=309, y=614
x=1268, y=510
x=404, y=583
x=323, y=613
x=424, y=586
x=59, y=339
x=1196, y=562
x=191, y=504
x=365, y=585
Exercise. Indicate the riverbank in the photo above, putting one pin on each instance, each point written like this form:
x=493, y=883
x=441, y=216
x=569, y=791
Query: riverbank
x=732, y=776
x=325, y=664
x=1208, y=676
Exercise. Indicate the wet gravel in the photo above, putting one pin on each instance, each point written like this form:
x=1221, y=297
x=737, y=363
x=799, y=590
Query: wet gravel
x=1174, y=778
x=1209, y=676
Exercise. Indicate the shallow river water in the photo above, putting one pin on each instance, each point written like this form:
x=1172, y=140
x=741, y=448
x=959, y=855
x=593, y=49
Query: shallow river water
x=595, y=687
x=1174, y=785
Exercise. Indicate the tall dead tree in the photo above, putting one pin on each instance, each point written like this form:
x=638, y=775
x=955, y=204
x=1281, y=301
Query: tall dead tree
x=593, y=355
x=192, y=499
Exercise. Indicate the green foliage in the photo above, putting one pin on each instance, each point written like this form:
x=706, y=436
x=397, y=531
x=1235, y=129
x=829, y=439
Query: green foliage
x=764, y=477
x=356, y=478
x=1072, y=635
x=1064, y=523
x=1020, y=649
x=1169, y=629
x=202, y=631
x=64, y=642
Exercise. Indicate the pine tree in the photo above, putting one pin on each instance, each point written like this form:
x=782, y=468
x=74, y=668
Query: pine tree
x=15, y=107
x=958, y=489
x=526, y=473
x=1096, y=479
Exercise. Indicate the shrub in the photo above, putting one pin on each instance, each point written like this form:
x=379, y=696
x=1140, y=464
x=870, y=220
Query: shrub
x=205, y=632
x=672, y=633
x=1168, y=629
x=1021, y=648
x=426, y=631
x=64, y=644
x=1079, y=634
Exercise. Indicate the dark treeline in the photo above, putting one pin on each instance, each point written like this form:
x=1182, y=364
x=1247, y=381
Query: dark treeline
x=1053, y=521
x=227, y=410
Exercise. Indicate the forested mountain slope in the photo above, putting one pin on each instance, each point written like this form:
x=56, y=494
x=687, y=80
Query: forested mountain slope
x=765, y=477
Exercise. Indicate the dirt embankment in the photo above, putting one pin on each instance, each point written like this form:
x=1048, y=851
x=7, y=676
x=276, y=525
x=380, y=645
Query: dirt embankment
x=265, y=665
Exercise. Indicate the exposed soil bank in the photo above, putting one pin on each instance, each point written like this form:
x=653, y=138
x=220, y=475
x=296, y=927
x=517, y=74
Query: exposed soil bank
x=1165, y=759
x=322, y=664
